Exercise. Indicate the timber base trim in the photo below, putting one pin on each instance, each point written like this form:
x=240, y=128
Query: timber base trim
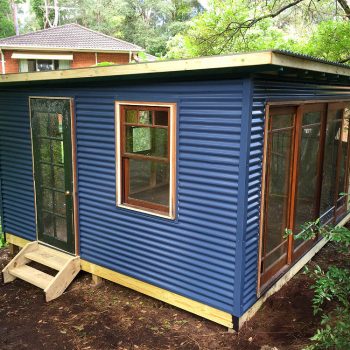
x=197, y=308
x=171, y=298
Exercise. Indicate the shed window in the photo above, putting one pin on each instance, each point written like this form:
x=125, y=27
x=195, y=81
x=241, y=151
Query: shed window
x=146, y=162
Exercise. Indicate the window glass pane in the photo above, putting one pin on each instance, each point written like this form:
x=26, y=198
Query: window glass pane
x=311, y=118
x=31, y=65
x=330, y=162
x=45, y=65
x=131, y=116
x=145, y=117
x=147, y=141
x=278, y=194
x=149, y=181
x=138, y=140
x=161, y=118
x=282, y=121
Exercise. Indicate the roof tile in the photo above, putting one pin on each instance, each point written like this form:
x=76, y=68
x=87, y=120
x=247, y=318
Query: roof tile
x=69, y=36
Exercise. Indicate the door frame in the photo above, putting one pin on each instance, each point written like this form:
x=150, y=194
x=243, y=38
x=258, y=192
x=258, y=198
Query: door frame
x=299, y=106
x=74, y=169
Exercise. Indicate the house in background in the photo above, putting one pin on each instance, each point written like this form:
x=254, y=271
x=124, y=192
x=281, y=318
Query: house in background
x=63, y=47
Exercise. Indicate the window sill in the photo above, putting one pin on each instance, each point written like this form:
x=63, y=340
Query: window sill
x=144, y=211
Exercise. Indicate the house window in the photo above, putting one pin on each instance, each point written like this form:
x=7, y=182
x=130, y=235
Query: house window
x=145, y=157
x=37, y=65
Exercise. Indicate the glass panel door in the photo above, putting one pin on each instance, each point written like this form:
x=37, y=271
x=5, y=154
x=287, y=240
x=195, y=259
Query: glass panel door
x=332, y=154
x=308, y=170
x=52, y=156
x=278, y=186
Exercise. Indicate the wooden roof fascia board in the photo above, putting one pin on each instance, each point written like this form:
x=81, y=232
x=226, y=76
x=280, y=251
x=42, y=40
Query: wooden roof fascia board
x=289, y=61
x=61, y=49
x=196, y=64
x=254, y=59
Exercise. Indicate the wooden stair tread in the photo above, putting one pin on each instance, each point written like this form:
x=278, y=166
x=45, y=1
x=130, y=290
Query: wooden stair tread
x=31, y=275
x=48, y=257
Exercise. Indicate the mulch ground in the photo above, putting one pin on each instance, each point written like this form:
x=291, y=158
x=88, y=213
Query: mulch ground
x=114, y=317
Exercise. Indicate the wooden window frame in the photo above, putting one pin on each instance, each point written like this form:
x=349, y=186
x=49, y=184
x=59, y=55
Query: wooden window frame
x=121, y=165
x=301, y=107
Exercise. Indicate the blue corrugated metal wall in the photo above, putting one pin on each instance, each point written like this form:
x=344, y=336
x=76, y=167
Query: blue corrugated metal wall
x=16, y=166
x=194, y=255
x=265, y=90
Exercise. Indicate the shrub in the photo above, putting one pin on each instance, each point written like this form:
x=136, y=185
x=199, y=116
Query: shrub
x=331, y=285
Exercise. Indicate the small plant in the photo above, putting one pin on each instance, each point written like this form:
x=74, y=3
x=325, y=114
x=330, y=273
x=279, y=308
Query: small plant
x=331, y=285
x=104, y=64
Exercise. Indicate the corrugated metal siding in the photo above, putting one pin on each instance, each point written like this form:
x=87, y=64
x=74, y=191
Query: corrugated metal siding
x=194, y=255
x=269, y=90
x=16, y=166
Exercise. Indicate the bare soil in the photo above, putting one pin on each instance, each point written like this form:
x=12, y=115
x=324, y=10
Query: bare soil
x=114, y=317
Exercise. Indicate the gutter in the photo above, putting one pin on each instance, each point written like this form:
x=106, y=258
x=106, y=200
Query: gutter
x=3, y=69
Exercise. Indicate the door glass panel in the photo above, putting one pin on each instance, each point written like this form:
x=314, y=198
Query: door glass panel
x=48, y=224
x=61, y=228
x=307, y=181
x=332, y=139
x=278, y=186
x=59, y=177
x=344, y=138
x=60, y=203
x=47, y=199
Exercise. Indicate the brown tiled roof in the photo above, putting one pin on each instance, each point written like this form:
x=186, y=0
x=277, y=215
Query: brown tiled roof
x=69, y=36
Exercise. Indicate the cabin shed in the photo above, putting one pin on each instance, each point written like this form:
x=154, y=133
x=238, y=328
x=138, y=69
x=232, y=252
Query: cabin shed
x=177, y=179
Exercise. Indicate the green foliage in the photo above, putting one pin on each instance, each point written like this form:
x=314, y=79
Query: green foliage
x=309, y=27
x=331, y=289
x=2, y=238
x=104, y=64
x=147, y=23
x=329, y=40
x=6, y=23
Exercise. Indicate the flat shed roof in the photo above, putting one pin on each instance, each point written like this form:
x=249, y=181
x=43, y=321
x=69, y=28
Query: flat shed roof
x=261, y=62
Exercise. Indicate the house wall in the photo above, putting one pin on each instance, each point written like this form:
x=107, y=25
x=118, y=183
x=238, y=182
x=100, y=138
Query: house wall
x=88, y=59
x=265, y=90
x=11, y=66
x=80, y=59
x=194, y=255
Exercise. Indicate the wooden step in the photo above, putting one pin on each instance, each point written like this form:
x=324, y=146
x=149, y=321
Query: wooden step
x=48, y=257
x=31, y=275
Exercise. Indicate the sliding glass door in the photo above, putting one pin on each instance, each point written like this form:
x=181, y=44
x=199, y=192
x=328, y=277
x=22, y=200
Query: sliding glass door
x=306, y=177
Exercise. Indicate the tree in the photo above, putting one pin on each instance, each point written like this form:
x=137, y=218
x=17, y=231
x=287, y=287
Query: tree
x=242, y=25
x=7, y=27
x=147, y=23
x=51, y=13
